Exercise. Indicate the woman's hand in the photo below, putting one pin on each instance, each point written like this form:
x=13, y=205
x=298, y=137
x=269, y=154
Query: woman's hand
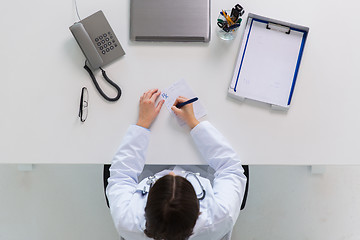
x=186, y=113
x=147, y=109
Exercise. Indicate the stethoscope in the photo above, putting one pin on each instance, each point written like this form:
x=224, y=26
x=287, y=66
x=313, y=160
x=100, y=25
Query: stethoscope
x=152, y=179
x=201, y=195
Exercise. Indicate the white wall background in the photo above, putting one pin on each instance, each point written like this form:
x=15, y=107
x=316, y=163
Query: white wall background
x=66, y=202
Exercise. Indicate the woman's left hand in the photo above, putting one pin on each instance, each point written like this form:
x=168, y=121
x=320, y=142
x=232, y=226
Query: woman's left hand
x=147, y=110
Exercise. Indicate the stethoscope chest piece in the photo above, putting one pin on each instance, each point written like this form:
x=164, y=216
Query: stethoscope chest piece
x=149, y=183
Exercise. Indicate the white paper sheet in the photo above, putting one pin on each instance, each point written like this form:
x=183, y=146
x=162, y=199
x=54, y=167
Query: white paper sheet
x=181, y=88
x=268, y=64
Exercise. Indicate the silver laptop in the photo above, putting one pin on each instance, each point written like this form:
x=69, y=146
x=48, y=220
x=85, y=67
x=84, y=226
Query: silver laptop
x=170, y=20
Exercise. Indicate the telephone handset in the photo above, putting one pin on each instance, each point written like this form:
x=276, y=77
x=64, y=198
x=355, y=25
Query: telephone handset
x=86, y=45
x=100, y=46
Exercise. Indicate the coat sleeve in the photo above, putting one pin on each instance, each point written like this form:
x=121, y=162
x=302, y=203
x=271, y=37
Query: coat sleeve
x=230, y=181
x=126, y=166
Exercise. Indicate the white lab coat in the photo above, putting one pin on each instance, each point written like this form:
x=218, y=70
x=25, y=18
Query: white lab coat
x=221, y=206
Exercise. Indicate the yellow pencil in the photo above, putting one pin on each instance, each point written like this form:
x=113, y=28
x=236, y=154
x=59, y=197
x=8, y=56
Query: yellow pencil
x=228, y=19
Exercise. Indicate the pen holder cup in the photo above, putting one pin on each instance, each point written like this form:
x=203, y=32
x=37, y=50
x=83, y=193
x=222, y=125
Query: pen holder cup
x=227, y=30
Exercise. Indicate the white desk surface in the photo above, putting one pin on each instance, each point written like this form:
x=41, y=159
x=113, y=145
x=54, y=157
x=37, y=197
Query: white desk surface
x=42, y=77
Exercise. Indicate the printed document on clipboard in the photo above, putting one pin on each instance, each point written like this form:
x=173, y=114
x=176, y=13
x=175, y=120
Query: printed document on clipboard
x=268, y=61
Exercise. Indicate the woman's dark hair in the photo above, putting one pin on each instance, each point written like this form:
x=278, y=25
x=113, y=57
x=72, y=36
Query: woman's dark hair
x=172, y=209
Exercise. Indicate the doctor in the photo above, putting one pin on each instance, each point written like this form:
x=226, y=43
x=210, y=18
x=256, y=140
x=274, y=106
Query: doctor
x=174, y=204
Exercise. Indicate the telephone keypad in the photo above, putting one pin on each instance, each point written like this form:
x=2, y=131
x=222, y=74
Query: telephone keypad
x=105, y=42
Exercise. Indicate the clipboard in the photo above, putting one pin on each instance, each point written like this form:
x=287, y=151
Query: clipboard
x=268, y=61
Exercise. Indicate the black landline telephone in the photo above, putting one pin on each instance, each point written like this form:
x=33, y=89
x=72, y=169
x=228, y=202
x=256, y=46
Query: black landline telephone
x=100, y=46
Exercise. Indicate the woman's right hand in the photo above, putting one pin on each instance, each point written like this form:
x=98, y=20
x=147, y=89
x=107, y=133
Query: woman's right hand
x=186, y=113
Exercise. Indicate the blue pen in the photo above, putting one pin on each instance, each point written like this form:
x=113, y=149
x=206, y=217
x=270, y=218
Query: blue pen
x=180, y=105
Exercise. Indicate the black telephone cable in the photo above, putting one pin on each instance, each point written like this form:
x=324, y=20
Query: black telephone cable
x=118, y=89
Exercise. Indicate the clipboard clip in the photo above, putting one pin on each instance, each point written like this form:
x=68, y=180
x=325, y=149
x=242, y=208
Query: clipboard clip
x=278, y=27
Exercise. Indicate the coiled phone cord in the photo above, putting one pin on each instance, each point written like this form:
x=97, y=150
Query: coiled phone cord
x=118, y=89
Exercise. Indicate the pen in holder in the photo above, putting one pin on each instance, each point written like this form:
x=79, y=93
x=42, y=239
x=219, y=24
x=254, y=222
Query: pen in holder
x=229, y=21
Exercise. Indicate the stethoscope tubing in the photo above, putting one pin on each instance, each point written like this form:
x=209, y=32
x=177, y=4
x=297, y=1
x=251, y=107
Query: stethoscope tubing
x=152, y=179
